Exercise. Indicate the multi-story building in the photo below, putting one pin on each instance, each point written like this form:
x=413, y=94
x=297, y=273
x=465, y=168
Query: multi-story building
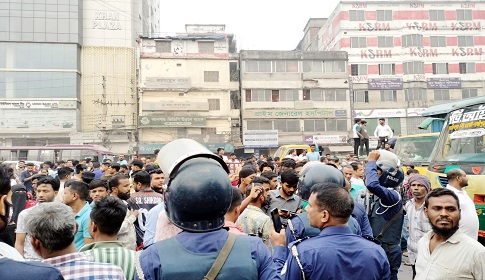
x=108, y=64
x=292, y=97
x=40, y=46
x=405, y=56
x=189, y=88
x=68, y=67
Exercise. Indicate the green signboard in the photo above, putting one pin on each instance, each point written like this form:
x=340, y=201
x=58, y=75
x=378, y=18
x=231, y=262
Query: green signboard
x=171, y=121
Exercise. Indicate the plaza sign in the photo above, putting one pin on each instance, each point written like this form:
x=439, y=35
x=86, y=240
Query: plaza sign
x=171, y=121
x=289, y=114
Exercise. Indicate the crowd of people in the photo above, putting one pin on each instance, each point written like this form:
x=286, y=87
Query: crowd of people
x=192, y=214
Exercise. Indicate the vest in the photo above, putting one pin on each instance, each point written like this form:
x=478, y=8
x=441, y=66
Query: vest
x=377, y=222
x=179, y=263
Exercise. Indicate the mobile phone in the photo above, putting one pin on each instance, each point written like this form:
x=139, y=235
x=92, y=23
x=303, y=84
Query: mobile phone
x=275, y=216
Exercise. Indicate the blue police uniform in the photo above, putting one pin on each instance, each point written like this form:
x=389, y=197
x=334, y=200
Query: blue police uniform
x=385, y=204
x=301, y=228
x=190, y=255
x=335, y=253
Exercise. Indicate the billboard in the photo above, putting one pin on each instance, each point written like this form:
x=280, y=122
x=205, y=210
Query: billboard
x=260, y=138
x=444, y=83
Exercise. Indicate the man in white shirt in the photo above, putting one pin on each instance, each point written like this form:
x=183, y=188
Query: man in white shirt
x=355, y=135
x=383, y=132
x=457, y=180
x=446, y=252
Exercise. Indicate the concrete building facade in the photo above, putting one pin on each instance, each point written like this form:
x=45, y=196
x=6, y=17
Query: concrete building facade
x=189, y=88
x=405, y=56
x=291, y=97
x=67, y=70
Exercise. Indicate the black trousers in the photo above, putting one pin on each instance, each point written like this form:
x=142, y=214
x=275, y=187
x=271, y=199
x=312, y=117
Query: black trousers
x=356, y=146
x=364, y=142
x=381, y=142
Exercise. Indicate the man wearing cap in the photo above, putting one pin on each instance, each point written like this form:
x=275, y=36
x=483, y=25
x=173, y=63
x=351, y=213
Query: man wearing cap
x=199, y=193
x=418, y=224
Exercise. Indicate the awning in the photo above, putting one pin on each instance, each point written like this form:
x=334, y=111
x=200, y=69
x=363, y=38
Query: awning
x=443, y=109
x=425, y=124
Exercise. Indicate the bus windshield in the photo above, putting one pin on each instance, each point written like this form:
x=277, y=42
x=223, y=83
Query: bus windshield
x=462, y=138
x=415, y=149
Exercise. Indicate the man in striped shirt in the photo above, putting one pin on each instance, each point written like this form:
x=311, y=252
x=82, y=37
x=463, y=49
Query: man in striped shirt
x=52, y=228
x=107, y=215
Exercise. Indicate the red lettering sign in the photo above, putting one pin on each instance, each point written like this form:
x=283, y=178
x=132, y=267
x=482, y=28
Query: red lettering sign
x=467, y=5
x=464, y=26
x=422, y=26
x=374, y=26
x=372, y=54
x=422, y=52
x=466, y=52
x=416, y=5
x=359, y=6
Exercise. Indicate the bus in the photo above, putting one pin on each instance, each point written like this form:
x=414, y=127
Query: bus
x=416, y=150
x=462, y=145
x=55, y=153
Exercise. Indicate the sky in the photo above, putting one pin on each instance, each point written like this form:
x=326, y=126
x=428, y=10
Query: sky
x=256, y=24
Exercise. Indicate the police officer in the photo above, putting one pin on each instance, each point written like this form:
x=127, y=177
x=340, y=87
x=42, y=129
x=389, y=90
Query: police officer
x=198, y=195
x=335, y=253
x=383, y=175
x=311, y=174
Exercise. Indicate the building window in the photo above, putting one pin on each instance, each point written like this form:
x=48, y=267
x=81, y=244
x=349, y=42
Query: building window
x=469, y=92
x=465, y=41
x=163, y=46
x=438, y=41
x=441, y=94
x=315, y=66
x=440, y=68
x=358, y=42
x=261, y=66
x=335, y=95
x=437, y=15
x=315, y=94
x=388, y=96
x=314, y=125
x=214, y=104
x=412, y=40
x=334, y=66
x=288, y=94
x=211, y=76
x=467, y=67
x=387, y=69
x=413, y=67
x=233, y=72
x=385, y=41
x=321, y=125
x=287, y=125
x=235, y=100
x=285, y=66
x=358, y=69
x=261, y=95
x=206, y=47
x=415, y=94
x=356, y=15
x=464, y=15
x=259, y=125
x=384, y=15
x=361, y=96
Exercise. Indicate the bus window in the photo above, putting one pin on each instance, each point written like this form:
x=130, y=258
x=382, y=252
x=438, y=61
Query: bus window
x=46, y=155
x=71, y=154
x=32, y=155
x=22, y=155
x=88, y=154
x=4, y=155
